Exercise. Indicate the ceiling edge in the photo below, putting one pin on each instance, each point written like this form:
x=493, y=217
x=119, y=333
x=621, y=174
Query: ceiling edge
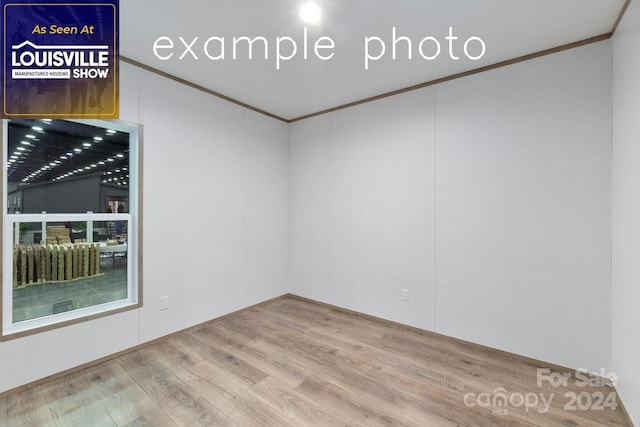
x=200, y=88
x=386, y=94
x=460, y=75
x=622, y=11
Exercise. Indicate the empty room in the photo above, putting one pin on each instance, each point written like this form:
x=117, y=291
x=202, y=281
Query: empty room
x=320, y=213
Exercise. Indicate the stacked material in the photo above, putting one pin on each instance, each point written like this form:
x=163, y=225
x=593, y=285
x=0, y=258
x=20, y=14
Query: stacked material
x=57, y=234
x=37, y=264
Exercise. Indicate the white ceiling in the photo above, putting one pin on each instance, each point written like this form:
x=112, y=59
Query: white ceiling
x=509, y=29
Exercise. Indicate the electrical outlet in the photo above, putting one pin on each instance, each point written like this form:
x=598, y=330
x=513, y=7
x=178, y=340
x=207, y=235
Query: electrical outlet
x=164, y=303
x=405, y=294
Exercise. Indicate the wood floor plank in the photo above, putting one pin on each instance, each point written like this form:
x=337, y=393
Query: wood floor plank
x=301, y=409
x=435, y=400
x=152, y=419
x=26, y=408
x=181, y=403
x=217, y=356
x=255, y=354
x=232, y=397
x=307, y=350
x=351, y=405
x=124, y=399
x=286, y=365
x=175, y=351
x=75, y=399
x=293, y=362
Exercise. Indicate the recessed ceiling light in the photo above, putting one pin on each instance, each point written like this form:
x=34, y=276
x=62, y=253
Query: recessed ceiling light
x=24, y=143
x=77, y=150
x=120, y=155
x=87, y=144
x=37, y=128
x=310, y=13
x=46, y=120
x=20, y=148
x=101, y=163
x=63, y=157
x=109, y=159
x=97, y=138
x=111, y=131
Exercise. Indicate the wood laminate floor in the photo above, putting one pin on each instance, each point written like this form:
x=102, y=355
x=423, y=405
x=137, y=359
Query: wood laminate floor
x=292, y=362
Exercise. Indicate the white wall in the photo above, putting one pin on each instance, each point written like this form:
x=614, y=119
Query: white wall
x=626, y=210
x=522, y=197
x=215, y=203
x=361, y=208
x=487, y=197
x=217, y=195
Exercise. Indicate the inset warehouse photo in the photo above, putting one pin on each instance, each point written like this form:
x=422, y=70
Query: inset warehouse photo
x=68, y=214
